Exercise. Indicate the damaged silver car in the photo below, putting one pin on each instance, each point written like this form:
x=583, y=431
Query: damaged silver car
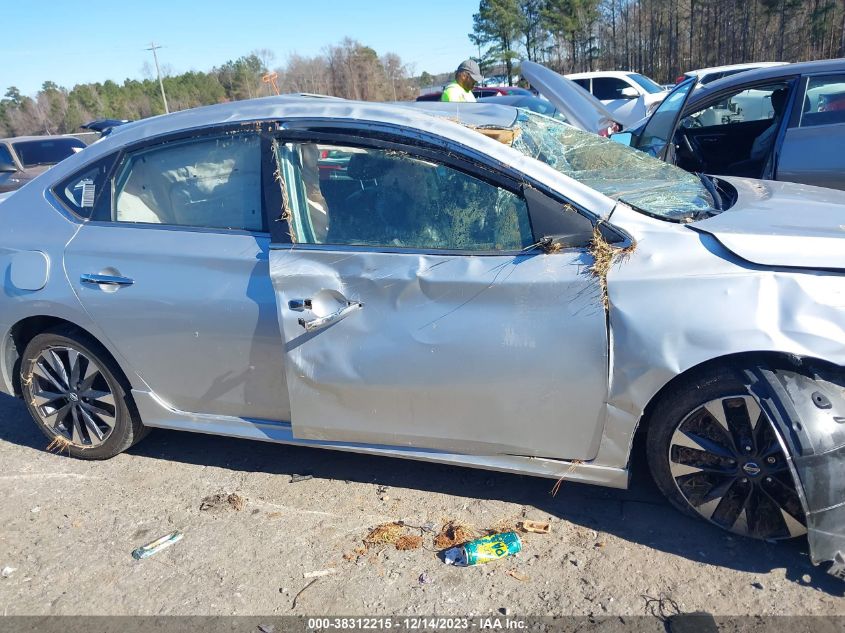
x=467, y=284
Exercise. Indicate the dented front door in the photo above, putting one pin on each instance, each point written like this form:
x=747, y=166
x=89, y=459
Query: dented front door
x=397, y=344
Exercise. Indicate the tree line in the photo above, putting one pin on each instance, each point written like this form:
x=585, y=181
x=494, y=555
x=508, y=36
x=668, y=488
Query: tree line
x=348, y=69
x=659, y=38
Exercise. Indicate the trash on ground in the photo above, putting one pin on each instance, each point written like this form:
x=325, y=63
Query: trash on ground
x=35, y=510
x=300, y=592
x=425, y=579
x=8, y=571
x=409, y=541
x=295, y=479
x=453, y=534
x=266, y=628
x=484, y=550
x=518, y=575
x=320, y=573
x=145, y=551
x=385, y=533
x=537, y=527
x=222, y=502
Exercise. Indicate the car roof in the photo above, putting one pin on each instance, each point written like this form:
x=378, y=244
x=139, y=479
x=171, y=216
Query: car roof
x=717, y=69
x=43, y=137
x=601, y=73
x=769, y=73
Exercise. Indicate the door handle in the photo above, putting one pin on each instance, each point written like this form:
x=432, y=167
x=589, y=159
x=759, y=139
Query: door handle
x=329, y=319
x=105, y=280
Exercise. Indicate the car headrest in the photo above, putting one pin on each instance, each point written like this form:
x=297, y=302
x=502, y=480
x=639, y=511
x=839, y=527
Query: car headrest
x=368, y=166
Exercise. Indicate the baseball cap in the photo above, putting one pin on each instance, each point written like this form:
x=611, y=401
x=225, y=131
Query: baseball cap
x=471, y=66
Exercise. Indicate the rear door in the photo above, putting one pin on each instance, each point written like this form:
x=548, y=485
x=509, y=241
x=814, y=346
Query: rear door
x=416, y=310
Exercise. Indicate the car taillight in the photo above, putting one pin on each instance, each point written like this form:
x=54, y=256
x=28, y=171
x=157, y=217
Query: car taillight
x=680, y=78
x=324, y=153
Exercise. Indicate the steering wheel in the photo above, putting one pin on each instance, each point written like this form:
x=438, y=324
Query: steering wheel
x=691, y=155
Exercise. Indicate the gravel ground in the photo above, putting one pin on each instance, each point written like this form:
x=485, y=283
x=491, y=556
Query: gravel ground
x=68, y=528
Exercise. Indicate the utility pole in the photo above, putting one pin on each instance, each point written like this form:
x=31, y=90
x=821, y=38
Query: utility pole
x=153, y=48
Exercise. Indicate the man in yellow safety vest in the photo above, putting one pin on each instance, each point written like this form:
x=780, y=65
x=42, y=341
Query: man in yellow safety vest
x=467, y=76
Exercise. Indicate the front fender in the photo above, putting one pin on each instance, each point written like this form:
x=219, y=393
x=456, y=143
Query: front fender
x=807, y=410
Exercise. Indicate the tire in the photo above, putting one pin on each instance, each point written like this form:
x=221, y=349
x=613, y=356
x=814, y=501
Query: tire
x=714, y=455
x=78, y=396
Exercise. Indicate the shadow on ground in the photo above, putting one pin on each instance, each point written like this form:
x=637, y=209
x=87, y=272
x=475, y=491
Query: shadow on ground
x=639, y=514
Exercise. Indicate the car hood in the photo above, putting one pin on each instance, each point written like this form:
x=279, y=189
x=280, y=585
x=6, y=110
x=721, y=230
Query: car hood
x=580, y=108
x=782, y=224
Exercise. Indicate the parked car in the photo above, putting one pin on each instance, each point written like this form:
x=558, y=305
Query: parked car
x=24, y=157
x=104, y=126
x=705, y=76
x=776, y=123
x=488, y=287
x=535, y=104
x=481, y=92
x=629, y=96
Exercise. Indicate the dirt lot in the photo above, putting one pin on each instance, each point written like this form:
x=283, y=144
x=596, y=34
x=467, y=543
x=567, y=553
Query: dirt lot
x=68, y=528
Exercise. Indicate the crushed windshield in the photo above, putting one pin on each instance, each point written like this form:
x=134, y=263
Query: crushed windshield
x=618, y=171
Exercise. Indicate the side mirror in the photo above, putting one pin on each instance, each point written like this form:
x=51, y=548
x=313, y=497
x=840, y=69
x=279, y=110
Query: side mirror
x=625, y=138
x=6, y=166
x=629, y=93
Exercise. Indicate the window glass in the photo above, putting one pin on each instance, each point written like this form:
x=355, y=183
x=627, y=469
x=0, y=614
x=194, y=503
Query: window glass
x=371, y=197
x=649, y=85
x=824, y=101
x=756, y=104
x=87, y=189
x=584, y=83
x=214, y=183
x=6, y=156
x=46, y=152
x=608, y=88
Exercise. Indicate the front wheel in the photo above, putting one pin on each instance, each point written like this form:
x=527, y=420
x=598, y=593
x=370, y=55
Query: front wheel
x=75, y=393
x=714, y=454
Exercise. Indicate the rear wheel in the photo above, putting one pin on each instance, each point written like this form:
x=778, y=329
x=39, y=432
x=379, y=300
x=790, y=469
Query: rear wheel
x=714, y=454
x=77, y=395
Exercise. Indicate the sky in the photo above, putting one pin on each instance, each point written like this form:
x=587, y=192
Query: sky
x=72, y=41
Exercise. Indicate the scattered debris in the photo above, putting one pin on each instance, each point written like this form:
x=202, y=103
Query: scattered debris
x=59, y=444
x=300, y=592
x=385, y=533
x=605, y=255
x=806, y=578
x=35, y=510
x=453, y=534
x=295, y=479
x=425, y=579
x=355, y=554
x=145, y=551
x=409, y=541
x=757, y=585
x=320, y=573
x=518, y=575
x=575, y=463
x=662, y=607
x=8, y=571
x=484, y=550
x=381, y=491
x=266, y=628
x=505, y=611
x=598, y=545
x=537, y=527
x=222, y=502
x=274, y=515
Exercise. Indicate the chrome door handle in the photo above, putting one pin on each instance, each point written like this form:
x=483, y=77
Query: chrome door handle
x=105, y=280
x=329, y=319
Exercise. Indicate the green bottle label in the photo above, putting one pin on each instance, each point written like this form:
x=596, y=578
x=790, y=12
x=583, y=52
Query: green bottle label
x=493, y=547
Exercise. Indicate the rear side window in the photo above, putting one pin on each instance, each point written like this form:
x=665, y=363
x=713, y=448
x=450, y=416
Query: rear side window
x=210, y=183
x=86, y=192
x=824, y=101
x=607, y=88
x=6, y=156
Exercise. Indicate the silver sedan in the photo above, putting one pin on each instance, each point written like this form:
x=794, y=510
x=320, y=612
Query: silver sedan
x=467, y=284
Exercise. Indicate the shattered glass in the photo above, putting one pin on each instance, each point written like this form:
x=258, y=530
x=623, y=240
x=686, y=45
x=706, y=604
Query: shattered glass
x=620, y=172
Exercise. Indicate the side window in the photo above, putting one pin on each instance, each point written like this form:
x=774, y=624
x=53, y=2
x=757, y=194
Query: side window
x=6, y=157
x=584, y=83
x=372, y=197
x=608, y=88
x=763, y=103
x=87, y=192
x=824, y=101
x=212, y=182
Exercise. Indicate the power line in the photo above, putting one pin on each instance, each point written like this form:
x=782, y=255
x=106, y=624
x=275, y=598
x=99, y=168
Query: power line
x=153, y=48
